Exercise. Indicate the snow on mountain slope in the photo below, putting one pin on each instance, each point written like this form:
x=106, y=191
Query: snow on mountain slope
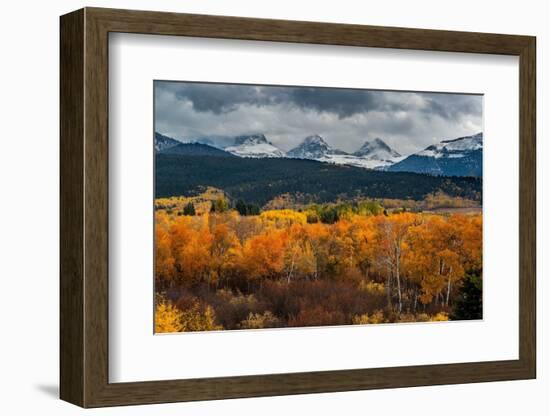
x=455, y=148
x=163, y=142
x=254, y=145
x=373, y=154
x=377, y=149
x=313, y=147
x=360, y=162
x=458, y=157
x=376, y=154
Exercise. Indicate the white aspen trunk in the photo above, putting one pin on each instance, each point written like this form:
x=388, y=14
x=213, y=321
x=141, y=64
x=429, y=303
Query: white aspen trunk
x=398, y=289
x=397, y=276
x=316, y=273
x=449, y=286
x=289, y=275
x=291, y=269
x=388, y=289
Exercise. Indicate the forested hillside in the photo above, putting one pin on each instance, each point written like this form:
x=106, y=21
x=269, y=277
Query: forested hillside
x=261, y=180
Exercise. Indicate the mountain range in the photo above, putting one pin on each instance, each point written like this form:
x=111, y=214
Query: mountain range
x=456, y=157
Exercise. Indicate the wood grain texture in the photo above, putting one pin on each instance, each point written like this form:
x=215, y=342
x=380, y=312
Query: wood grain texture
x=226, y=27
x=71, y=99
x=527, y=208
x=96, y=219
x=84, y=207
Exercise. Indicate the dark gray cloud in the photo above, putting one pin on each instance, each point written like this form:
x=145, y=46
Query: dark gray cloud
x=407, y=120
x=454, y=106
x=224, y=98
x=343, y=103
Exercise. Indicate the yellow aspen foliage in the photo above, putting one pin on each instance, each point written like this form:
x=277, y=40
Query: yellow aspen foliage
x=168, y=318
x=376, y=318
x=361, y=319
x=372, y=288
x=195, y=319
x=284, y=217
x=441, y=316
x=164, y=261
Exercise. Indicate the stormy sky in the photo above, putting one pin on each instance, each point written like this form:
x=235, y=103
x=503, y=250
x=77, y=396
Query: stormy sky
x=345, y=118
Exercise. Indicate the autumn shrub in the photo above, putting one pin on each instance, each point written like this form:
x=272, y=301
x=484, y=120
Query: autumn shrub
x=407, y=317
x=335, y=302
x=197, y=316
x=233, y=308
x=422, y=317
x=377, y=317
x=373, y=288
x=312, y=218
x=440, y=316
x=361, y=319
x=168, y=318
x=281, y=299
x=318, y=316
x=258, y=321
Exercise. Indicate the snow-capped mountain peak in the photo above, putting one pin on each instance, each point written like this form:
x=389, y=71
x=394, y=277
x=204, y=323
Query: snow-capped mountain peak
x=315, y=140
x=376, y=149
x=457, y=157
x=373, y=154
x=455, y=148
x=254, y=145
x=313, y=147
x=163, y=142
x=250, y=139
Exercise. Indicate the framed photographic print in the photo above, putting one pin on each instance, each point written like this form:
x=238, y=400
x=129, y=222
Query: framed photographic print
x=256, y=207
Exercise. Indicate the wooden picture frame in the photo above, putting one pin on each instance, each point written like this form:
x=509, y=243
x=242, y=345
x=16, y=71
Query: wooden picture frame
x=84, y=207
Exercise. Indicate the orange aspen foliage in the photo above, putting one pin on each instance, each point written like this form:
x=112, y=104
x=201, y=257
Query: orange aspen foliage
x=385, y=267
x=264, y=254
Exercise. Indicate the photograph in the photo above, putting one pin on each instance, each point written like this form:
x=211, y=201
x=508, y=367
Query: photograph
x=306, y=207
x=282, y=206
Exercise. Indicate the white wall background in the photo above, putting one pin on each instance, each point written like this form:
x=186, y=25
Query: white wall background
x=29, y=158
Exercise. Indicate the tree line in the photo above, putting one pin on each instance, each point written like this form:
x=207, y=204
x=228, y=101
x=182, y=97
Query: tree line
x=325, y=213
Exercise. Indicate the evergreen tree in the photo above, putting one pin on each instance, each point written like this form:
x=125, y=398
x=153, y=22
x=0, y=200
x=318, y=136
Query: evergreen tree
x=241, y=207
x=329, y=215
x=189, y=209
x=253, y=209
x=219, y=205
x=247, y=209
x=469, y=304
